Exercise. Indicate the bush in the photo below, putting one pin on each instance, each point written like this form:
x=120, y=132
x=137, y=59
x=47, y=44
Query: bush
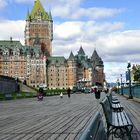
x=51, y=92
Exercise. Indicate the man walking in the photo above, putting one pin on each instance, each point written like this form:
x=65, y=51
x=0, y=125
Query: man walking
x=68, y=92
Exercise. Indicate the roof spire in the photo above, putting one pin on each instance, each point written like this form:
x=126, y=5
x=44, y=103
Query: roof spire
x=81, y=51
x=38, y=11
x=71, y=57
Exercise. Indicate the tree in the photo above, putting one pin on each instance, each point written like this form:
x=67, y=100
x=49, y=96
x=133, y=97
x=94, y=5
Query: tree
x=137, y=75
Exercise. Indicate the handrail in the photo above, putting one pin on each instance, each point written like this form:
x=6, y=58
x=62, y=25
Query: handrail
x=90, y=132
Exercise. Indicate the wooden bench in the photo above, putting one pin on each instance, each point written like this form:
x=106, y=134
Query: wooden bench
x=114, y=106
x=95, y=129
x=118, y=123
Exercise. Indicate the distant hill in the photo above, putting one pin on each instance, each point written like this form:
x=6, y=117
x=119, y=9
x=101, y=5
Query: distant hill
x=112, y=84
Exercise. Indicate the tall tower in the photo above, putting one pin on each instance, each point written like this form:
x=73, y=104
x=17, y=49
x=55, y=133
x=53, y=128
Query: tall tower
x=39, y=28
x=72, y=77
x=98, y=68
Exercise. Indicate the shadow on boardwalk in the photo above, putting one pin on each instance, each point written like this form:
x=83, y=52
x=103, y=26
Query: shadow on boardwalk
x=54, y=118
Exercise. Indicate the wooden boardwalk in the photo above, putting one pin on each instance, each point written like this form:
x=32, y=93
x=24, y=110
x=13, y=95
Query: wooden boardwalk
x=54, y=118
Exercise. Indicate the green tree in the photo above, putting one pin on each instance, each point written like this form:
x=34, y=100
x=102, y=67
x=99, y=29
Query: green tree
x=137, y=75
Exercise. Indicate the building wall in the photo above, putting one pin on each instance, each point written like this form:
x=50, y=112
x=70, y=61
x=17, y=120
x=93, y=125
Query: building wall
x=36, y=76
x=29, y=65
x=42, y=30
x=99, y=76
x=7, y=85
x=57, y=77
x=72, y=71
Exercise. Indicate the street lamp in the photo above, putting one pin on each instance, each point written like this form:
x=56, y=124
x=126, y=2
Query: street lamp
x=130, y=92
x=121, y=85
x=118, y=85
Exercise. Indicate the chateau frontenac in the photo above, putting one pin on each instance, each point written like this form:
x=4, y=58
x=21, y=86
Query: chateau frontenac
x=39, y=29
x=34, y=62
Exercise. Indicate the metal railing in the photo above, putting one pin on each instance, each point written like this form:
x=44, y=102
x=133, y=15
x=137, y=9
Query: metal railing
x=135, y=90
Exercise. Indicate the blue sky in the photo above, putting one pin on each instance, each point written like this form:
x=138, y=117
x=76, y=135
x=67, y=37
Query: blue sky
x=110, y=26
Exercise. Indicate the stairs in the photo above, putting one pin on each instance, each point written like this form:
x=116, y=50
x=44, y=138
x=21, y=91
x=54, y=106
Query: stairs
x=25, y=88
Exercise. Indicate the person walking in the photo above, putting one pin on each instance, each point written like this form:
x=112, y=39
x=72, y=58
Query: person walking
x=68, y=92
x=97, y=93
x=40, y=94
x=61, y=95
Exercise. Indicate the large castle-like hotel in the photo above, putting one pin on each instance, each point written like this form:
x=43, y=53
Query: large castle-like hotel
x=34, y=63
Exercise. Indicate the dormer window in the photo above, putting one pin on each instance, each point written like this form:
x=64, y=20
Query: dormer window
x=39, y=15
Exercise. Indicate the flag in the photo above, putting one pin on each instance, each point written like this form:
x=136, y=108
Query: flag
x=127, y=75
x=132, y=76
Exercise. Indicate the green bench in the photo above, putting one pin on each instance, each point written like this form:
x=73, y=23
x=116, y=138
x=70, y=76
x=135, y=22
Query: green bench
x=28, y=95
x=114, y=106
x=19, y=95
x=34, y=95
x=95, y=129
x=8, y=96
x=118, y=123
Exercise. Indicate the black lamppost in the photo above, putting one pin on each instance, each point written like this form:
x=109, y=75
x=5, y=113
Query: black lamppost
x=121, y=85
x=118, y=85
x=130, y=92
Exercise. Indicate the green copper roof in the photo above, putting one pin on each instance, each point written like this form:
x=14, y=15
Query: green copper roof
x=9, y=43
x=50, y=15
x=24, y=50
x=58, y=61
x=95, y=55
x=71, y=57
x=38, y=12
x=96, y=59
x=81, y=51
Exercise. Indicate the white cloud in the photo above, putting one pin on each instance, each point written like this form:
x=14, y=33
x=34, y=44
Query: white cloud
x=84, y=30
x=124, y=44
x=113, y=71
x=71, y=9
x=70, y=12
x=68, y=30
x=14, y=29
x=115, y=48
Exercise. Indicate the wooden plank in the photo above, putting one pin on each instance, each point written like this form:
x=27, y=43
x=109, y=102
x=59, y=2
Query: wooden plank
x=28, y=119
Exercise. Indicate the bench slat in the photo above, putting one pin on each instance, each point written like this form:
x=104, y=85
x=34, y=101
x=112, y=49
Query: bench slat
x=116, y=120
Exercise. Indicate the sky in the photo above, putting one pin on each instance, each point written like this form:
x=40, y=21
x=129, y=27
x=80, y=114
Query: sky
x=109, y=26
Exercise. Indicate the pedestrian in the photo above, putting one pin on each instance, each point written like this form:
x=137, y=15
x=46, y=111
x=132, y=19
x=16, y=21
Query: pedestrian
x=61, y=95
x=68, y=92
x=40, y=94
x=97, y=93
x=18, y=87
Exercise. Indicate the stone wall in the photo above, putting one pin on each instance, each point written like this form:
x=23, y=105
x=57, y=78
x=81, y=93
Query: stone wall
x=7, y=85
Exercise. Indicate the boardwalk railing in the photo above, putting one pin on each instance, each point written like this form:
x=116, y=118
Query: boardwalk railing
x=95, y=130
x=135, y=90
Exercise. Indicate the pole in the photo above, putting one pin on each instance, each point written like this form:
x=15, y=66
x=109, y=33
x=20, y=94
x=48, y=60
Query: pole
x=130, y=91
x=118, y=85
x=121, y=86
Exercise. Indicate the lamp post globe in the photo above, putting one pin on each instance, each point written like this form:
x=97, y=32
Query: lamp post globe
x=128, y=65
